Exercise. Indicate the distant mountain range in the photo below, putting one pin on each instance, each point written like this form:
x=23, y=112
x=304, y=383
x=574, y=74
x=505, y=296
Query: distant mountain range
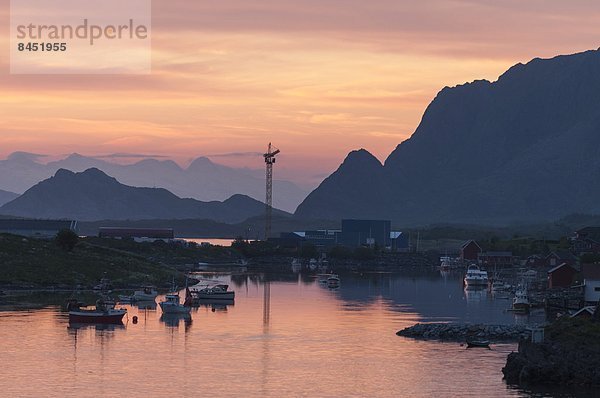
x=92, y=195
x=525, y=148
x=202, y=179
x=6, y=196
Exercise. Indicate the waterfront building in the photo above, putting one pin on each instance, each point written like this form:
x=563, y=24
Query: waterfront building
x=366, y=233
x=399, y=241
x=556, y=258
x=470, y=251
x=591, y=282
x=561, y=276
x=491, y=260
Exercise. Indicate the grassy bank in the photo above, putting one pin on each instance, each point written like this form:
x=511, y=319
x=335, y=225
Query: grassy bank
x=39, y=263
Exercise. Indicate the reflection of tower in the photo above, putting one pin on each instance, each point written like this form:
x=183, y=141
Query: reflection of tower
x=269, y=160
x=267, y=303
x=266, y=341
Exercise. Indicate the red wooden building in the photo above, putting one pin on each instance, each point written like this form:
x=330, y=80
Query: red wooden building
x=469, y=251
x=556, y=258
x=496, y=259
x=561, y=276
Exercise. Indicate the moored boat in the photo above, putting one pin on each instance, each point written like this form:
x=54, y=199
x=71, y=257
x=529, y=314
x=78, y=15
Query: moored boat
x=478, y=343
x=172, y=305
x=521, y=300
x=475, y=277
x=146, y=293
x=101, y=314
x=216, y=292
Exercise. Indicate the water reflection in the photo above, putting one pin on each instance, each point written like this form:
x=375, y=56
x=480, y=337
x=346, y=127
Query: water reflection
x=145, y=305
x=475, y=294
x=285, y=336
x=216, y=305
x=174, y=320
x=73, y=327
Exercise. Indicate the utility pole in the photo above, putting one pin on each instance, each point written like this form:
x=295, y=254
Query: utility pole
x=269, y=160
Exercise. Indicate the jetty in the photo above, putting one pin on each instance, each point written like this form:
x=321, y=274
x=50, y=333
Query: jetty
x=460, y=331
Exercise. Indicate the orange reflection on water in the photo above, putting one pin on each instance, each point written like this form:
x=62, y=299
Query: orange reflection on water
x=316, y=343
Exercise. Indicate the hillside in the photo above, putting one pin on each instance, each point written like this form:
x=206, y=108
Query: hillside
x=93, y=195
x=521, y=149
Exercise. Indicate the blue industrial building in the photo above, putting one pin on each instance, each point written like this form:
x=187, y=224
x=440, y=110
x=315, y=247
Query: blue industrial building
x=354, y=233
x=366, y=233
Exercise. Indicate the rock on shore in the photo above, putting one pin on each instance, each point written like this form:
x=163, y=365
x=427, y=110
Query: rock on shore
x=459, y=331
x=569, y=356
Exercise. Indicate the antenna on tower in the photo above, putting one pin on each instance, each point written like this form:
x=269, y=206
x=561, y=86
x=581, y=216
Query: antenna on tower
x=269, y=160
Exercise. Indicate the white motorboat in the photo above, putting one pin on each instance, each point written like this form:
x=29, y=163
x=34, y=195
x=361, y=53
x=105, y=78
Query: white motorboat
x=146, y=293
x=475, y=277
x=521, y=300
x=216, y=292
x=172, y=304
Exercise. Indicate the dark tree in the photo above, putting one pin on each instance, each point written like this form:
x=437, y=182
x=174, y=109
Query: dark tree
x=66, y=239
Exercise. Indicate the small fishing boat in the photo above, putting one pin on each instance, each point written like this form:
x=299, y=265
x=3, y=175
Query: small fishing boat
x=172, y=305
x=216, y=292
x=103, y=313
x=146, y=293
x=521, y=300
x=478, y=343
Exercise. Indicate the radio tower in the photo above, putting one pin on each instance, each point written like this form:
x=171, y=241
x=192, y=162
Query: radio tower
x=269, y=160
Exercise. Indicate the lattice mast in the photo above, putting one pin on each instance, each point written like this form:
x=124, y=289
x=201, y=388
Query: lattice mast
x=270, y=161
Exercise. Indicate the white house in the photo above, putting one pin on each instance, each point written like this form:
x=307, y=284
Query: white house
x=591, y=281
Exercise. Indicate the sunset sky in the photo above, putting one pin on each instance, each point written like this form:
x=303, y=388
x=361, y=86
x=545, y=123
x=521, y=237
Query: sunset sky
x=318, y=78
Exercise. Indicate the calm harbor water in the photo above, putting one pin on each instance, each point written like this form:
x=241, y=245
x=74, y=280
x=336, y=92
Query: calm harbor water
x=302, y=339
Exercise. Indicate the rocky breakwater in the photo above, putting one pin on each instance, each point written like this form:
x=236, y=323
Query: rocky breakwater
x=570, y=355
x=460, y=331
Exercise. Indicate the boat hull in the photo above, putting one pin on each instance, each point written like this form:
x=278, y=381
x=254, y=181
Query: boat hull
x=143, y=297
x=475, y=282
x=115, y=317
x=214, y=296
x=478, y=344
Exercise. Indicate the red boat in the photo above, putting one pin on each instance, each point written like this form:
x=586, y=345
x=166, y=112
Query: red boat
x=102, y=314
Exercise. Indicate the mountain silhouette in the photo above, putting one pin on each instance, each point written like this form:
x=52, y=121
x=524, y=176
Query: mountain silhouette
x=525, y=148
x=93, y=195
x=202, y=179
